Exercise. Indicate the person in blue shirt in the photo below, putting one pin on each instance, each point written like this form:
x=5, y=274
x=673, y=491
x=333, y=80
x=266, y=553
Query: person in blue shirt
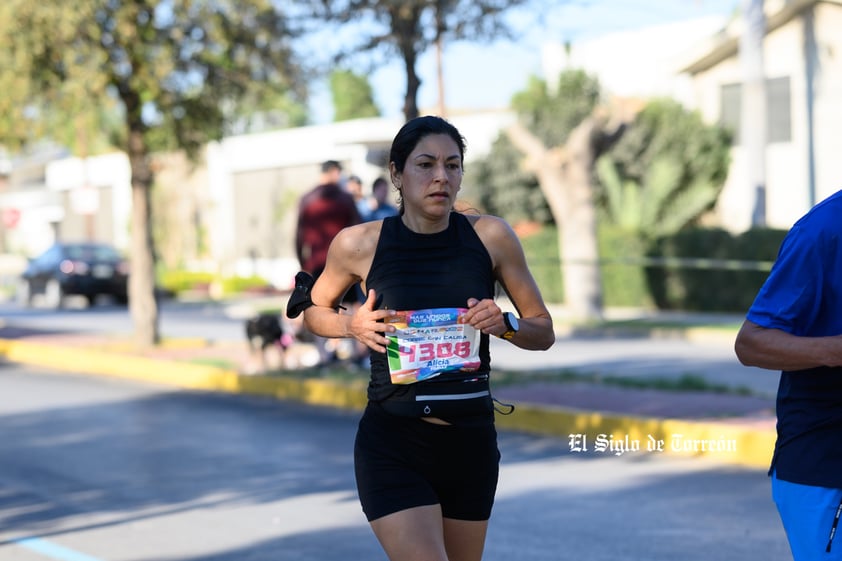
x=354, y=186
x=381, y=208
x=795, y=326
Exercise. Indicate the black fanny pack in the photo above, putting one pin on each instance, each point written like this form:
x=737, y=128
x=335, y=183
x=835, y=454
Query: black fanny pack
x=446, y=398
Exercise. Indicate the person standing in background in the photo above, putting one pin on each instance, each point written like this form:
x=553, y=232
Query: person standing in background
x=322, y=213
x=354, y=186
x=380, y=207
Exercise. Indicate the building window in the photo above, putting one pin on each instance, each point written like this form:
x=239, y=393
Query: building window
x=729, y=108
x=778, y=116
x=778, y=112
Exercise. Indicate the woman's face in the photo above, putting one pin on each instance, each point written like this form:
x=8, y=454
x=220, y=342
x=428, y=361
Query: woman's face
x=431, y=177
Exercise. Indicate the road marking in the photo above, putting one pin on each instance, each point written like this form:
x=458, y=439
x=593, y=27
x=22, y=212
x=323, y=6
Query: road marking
x=53, y=550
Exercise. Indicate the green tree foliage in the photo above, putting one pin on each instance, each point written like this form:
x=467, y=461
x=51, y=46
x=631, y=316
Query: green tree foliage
x=665, y=172
x=502, y=187
x=352, y=95
x=502, y=184
x=178, y=71
x=551, y=114
x=409, y=27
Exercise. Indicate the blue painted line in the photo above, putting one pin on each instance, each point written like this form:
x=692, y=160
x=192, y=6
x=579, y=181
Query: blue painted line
x=53, y=550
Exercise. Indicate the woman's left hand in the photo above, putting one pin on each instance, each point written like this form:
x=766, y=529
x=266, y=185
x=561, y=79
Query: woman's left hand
x=485, y=315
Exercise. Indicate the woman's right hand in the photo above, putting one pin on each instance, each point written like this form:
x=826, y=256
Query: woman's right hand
x=367, y=324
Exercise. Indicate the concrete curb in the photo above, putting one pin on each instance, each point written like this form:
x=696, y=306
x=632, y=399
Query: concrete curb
x=598, y=433
x=589, y=432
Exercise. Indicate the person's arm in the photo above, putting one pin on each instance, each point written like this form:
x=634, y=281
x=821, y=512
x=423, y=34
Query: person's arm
x=347, y=259
x=535, y=329
x=775, y=349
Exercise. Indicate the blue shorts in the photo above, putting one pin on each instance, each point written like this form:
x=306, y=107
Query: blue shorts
x=810, y=516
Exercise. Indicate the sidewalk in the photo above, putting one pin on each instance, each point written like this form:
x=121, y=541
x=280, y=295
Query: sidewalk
x=703, y=421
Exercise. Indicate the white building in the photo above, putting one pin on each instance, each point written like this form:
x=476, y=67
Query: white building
x=641, y=63
x=803, y=70
x=698, y=63
x=241, y=199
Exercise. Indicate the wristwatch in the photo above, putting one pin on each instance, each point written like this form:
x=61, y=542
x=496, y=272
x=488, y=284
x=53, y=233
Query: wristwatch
x=512, y=325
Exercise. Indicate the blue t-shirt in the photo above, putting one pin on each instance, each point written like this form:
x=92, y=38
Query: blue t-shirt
x=803, y=296
x=383, y=211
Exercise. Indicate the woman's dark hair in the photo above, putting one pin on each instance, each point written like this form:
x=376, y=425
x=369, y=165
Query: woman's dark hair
x=414, y=130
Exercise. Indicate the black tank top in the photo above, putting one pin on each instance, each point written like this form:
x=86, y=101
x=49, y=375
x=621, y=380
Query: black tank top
x=412, y=271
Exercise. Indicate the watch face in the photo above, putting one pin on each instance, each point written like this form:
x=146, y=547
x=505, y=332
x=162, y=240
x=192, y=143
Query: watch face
x=511, y=321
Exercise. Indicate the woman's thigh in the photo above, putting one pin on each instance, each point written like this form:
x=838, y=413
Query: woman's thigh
x=421, y=534
x=414, y=534
x=464, y=540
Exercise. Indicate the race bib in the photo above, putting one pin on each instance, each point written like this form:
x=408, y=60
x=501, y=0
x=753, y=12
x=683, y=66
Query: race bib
x=428, y=343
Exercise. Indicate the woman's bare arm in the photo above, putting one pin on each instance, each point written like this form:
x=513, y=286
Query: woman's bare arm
x=536, y=325
x=348, y=261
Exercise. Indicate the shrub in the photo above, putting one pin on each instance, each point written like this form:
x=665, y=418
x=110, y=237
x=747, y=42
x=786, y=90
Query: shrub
x=729, y=286
x=672, y=282
x=541, y=249
x=179, y=281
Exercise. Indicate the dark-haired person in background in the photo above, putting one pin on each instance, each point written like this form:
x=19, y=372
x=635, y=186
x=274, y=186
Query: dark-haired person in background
x=322, y=213
x=380, y=207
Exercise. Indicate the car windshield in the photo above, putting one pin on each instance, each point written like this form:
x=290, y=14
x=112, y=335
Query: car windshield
x=91, y=253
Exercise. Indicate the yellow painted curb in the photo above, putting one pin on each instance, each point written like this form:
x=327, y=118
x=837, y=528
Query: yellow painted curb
x=183, y=374
x=586, y=430
x=591, y=432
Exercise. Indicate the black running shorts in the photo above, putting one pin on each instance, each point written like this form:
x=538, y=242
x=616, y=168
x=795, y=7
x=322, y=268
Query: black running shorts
x=405, y=462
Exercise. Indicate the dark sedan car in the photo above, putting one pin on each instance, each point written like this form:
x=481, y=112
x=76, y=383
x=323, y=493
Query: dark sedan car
x=85, y=269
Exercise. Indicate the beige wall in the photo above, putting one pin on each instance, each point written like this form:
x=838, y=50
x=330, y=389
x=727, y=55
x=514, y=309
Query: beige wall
x=265, y=204
x=180, y=209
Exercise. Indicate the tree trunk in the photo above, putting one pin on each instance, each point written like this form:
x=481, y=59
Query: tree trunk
x=413, y=83
x=565, y=175
x=142, y=301
x=578, y=231
x=406, y=29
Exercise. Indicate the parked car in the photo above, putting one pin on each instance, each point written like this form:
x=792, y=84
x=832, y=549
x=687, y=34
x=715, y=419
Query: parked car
x=86, y=269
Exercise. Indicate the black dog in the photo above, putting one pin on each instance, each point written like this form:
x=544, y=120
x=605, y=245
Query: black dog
x=265, y=331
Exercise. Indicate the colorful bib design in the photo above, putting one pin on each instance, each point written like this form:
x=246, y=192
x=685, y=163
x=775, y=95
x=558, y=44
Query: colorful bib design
x=428, y=343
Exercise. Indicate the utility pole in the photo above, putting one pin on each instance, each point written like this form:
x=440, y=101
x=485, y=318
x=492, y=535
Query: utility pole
x=810, y=72
x=442, y=109
x=753, y=132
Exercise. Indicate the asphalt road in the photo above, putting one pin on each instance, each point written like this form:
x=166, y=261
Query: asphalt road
x=210, y=320
x=95, y=469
